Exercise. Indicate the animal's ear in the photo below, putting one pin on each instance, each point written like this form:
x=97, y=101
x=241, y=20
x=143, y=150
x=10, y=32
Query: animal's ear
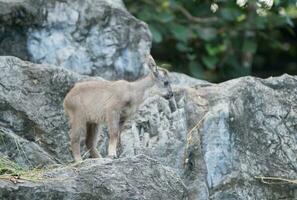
x=164, y=72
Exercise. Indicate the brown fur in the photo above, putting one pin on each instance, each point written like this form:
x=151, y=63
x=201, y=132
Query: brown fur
x=91, y=103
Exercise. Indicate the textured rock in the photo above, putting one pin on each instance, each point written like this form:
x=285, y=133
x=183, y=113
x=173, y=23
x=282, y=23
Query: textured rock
x=220, y=137
x=182, y=80
x=94, y=37
x=31, y=99
x=24, y=152
x=247, y=129
x=127, y=178
x=157, y=132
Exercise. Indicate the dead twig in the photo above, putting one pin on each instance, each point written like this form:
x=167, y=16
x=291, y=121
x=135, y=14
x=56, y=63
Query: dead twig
x=195, y=127
x=189, y=134
x=275, y=180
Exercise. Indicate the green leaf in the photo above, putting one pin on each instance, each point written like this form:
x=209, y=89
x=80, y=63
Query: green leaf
x=276, y=2
x=249, y=46
x=180, y=32
x=196, y=69
x=260, y=22
x=206, y=33
x=210, y=62
x=182, y=47
x=276, y=20
x=292, y=11
x=241, y=18
x=230, y=14
x=214, y=50
x=157, y=36
x=191, y=56
x=289, y=21
x=165, y=17
x=146, y=14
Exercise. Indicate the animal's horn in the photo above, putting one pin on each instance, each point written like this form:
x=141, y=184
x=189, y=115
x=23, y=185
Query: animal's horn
x=151, y=61
x=152, y=64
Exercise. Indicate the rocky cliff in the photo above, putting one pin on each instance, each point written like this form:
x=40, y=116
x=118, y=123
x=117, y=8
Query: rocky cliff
x=93, y=37
x=214, y=145
x=220, y=137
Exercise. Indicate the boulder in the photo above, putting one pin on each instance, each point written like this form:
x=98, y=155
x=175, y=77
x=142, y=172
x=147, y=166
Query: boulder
x=24, y=152
x=219, y=139
x=93, y=37
x=31, y=98
x=245, y=130
x=137, y=177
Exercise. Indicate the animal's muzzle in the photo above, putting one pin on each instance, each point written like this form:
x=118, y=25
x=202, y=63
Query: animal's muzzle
x=169, y=95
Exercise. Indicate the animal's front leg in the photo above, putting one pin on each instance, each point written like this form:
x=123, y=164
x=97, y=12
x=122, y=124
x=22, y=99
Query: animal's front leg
x=78, y=128
x=114, y=131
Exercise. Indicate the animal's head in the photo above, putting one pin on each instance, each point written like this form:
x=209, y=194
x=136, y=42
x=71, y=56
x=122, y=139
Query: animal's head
x=161, y=77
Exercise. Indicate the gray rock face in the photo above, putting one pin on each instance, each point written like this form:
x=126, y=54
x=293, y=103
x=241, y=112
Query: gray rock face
x=93, y=37
x=220, y=137
x=247, y=129
x=157, y=132
x=31, y=100
x=23, y=151
x=137, y=177
x=183, y=80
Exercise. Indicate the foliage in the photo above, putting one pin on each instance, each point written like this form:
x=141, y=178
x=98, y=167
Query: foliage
x=217, y=40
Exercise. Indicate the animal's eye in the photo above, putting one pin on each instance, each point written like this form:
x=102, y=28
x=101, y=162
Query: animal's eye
x=166, y=83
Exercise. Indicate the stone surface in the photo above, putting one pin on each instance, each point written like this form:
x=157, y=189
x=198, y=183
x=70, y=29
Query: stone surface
x=94, y=37
x=157, y=132
x=137, y=177
x=246, y=129
x=220, y=137
x=183, y=80
x=217, y=139
x=25, y=152
x=31, y=99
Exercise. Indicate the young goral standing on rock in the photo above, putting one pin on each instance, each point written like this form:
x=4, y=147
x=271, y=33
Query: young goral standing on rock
x=91, y=103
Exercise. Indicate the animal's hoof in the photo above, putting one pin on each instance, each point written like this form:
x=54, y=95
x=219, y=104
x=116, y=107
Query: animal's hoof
x=112, y=156
x=77, y=162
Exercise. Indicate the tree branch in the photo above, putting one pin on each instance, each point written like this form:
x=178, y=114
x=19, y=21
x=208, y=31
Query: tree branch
x=186, y=13
x=192, y=18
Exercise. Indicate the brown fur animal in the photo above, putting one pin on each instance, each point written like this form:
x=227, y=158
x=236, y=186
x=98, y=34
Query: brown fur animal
x=91, y=103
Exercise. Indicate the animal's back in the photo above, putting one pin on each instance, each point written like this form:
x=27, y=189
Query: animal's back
x=81, y=92
x=91, y=99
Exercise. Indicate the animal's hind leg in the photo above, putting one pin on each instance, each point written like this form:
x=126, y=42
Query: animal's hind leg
x=78, y=128
x=92, y=138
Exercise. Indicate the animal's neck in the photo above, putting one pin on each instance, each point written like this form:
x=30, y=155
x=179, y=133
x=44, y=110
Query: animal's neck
x=141, y=86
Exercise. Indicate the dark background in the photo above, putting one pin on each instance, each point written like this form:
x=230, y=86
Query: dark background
x=220, y=40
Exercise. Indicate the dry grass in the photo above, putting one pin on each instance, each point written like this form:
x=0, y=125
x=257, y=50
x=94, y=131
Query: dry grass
x=13, y=172
x=10, y=170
